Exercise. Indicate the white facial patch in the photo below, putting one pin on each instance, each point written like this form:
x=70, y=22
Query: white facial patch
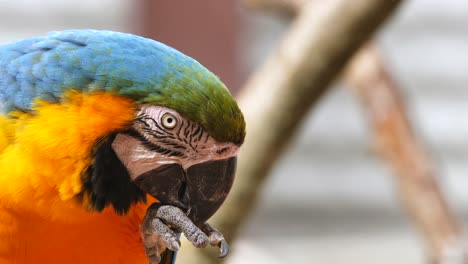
x=151, y=142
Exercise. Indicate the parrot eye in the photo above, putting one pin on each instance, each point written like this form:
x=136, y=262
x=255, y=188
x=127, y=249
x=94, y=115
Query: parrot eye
x=168, y=120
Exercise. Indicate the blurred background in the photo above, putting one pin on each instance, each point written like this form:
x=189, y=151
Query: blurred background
x=329, y=198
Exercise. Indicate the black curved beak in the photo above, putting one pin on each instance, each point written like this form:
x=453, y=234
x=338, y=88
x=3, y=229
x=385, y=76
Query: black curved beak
x=200, y=190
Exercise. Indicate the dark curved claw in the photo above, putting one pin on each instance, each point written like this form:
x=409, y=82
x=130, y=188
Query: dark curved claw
x=223, y=248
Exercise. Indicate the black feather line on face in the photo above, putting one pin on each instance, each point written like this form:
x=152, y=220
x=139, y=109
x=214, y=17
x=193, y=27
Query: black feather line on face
x=107, y=182
x=151, y=146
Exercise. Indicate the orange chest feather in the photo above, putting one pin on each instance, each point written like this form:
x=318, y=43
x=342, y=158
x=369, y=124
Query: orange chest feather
x=42, y=157
x=98, y=238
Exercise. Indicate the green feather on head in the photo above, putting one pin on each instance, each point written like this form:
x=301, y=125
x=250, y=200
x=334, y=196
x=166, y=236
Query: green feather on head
x=200, y=96
x=122, y=64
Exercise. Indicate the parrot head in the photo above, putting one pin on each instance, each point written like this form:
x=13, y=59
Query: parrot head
x=182, y=143
x=177, y=161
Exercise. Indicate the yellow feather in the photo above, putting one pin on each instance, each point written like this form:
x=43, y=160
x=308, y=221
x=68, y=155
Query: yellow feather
x=42, y=156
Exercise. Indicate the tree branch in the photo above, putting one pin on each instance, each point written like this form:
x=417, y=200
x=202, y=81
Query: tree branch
x=277, y=97
x=287, y=8
x=395, y=142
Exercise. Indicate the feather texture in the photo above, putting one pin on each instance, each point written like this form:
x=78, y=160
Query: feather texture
x=121, y=64
x=40, y=181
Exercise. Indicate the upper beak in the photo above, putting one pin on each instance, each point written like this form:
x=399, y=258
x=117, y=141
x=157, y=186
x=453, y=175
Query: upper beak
x=199, y=190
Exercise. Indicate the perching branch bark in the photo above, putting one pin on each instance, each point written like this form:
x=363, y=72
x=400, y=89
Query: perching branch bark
x=287, y=8
x=395, y=142
x=277, y=96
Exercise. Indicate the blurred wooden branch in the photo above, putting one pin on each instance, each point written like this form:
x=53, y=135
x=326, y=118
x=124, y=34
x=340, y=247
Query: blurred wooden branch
x=395, y=142
x=280, y=93
x=287, y=8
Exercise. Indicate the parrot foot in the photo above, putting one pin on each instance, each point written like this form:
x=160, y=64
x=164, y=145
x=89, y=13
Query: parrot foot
x=156, y=237
x=157, y=234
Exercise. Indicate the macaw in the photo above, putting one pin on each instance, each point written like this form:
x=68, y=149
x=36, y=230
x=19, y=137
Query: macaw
x=111, y=145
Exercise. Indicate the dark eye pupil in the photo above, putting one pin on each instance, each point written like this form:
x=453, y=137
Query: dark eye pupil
x=169, y=120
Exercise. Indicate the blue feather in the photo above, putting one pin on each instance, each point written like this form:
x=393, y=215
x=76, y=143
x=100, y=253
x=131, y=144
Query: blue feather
x=141, y=69
x=88, y=60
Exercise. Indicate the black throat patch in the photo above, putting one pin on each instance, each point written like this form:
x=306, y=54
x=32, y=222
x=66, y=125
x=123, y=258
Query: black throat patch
x=107, y=182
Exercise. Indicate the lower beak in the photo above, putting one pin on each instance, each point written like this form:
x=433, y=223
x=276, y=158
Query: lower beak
x=199, y=190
